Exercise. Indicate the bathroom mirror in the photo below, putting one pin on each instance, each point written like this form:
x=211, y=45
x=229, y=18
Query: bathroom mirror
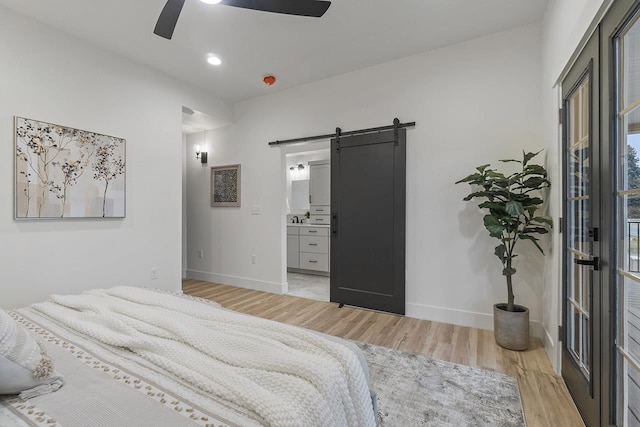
x=300, y=194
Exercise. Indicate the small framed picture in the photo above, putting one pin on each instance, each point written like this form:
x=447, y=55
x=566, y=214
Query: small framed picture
x=225, y=186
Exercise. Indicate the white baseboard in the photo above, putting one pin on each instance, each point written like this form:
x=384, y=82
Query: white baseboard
x=241, y=282
x=462, y=318
x=553, y=351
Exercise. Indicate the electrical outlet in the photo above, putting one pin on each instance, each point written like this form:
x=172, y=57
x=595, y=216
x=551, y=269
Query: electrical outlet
x=201, y=253
x=154, y=273
x=254, y=259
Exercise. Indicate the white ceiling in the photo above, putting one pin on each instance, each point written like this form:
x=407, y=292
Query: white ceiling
x=353, y=34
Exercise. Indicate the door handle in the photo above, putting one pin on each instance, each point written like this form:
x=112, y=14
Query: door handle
x=594, y=262
x=334, y=224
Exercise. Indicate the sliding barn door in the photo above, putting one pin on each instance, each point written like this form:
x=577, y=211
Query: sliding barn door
x=368, y=220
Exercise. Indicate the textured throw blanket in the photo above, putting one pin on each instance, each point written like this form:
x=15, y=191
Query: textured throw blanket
x=286, y=375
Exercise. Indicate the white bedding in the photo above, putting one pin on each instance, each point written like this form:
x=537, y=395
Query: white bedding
x=280, y=375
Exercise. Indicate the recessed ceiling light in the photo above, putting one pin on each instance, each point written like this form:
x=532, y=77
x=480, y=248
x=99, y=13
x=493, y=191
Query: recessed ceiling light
x=211, y=1
x=213, y=60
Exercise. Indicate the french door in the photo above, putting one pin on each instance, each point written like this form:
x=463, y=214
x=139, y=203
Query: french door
x=582, y=283
x=601, y=269
x=624, y=113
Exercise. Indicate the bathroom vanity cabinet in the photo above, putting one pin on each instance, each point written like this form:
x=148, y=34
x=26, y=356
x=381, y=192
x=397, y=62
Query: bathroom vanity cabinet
x=308, y=247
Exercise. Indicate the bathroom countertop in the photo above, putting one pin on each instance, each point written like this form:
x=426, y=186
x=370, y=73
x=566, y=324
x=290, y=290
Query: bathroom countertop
x=306, y=224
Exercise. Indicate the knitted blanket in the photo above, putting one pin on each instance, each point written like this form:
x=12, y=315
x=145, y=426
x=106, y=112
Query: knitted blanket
x=286, y=375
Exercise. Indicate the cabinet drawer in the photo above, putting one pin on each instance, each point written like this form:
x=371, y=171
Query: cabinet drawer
x=292, y=230
x=314, y=244
x=314, y=231
x=320, y=210
x=320, y=219
x=319, y=262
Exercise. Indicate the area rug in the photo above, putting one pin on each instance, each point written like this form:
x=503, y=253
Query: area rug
x=416, y=390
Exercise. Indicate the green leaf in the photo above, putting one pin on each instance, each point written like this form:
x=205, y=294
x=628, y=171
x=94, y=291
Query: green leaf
x=494, y=174
x=538, y=230
x=491, y=220
x=535, y=182
x=472, y=177
x=482, y=168
x=508, y=271
x=510, y=160
x=492, y=224
x=514, y=208
x=492, y=205
x=543, y=219
x=535, y=170
x=500, y=252
x=495, y=230
x=533, y=240
x=476, y=194
x=529, y=201
x=529, y=156
x=503, y=183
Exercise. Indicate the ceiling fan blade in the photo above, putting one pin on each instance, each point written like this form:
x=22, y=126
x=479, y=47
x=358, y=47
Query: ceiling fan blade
x=168, y=18
x=314, y=8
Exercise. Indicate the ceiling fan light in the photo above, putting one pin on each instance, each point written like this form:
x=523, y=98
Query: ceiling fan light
x=213, y=60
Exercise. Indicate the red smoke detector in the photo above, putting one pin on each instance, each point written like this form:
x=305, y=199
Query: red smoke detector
x=269, y=80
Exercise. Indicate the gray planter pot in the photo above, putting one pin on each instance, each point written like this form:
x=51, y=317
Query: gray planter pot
x=511, y=328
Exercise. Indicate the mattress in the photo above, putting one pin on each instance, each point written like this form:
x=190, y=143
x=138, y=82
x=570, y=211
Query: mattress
x=111, y=385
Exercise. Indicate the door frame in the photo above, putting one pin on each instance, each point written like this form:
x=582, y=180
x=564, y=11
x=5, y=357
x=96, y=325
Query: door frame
x=301, y=147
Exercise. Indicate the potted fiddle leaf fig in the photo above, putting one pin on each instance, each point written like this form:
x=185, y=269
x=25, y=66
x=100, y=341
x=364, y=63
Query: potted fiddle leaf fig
x=510, y=202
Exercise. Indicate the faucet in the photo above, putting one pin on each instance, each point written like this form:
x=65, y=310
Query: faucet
x=297, y=219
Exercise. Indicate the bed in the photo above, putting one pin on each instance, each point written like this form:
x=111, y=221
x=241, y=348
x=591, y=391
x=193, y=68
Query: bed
x=142, y=357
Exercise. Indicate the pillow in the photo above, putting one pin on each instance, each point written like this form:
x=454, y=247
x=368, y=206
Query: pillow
x=25, y=367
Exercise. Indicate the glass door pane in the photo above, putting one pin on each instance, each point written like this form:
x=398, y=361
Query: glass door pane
x=578, y=224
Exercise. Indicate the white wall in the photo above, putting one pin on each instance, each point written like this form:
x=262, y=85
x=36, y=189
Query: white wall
x=49, y=76
x=564, y=25
x=474, y=102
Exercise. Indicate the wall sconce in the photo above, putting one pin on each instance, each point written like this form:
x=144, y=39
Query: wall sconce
x=299, y=167
x=202, y=155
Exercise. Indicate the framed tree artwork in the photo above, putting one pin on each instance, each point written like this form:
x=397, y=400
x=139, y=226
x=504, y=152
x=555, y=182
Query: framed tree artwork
x=225, y=186
x=62, y=172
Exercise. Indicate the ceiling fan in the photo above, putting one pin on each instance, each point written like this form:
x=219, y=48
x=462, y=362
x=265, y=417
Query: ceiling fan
x=171, y=11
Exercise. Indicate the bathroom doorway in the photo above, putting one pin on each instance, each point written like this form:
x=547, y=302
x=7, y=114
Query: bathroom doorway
x=307, y=190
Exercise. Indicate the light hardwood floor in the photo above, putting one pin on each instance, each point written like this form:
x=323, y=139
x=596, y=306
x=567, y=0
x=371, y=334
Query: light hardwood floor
x=545, y=398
